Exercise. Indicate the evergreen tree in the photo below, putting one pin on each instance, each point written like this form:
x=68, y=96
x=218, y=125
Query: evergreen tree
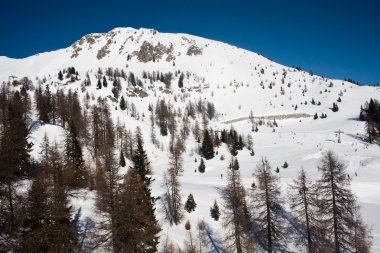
x=99, y=85
x=214, y=211
x=134, y=230
x=269, y=212
x=335, y=107
x=207, y=146
x=48, y=226
x=315, y=116
x=60, y=75
x=202, y=166
x=122, y=103
x=190, y=204
x=105, y=81
x=121, y=159
x=76, y=173
x=180, y=80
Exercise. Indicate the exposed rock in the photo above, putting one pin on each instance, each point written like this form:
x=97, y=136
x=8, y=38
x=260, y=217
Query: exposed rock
x=148, y=52
x=194, y=50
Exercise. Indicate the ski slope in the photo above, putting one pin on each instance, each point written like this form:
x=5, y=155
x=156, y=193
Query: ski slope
x=233, y=79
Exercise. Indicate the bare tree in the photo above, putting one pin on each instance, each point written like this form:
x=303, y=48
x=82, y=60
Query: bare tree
x=171, y=200
x=302, y=201
x=269, y=212
x=337, y=206
x=234, y=218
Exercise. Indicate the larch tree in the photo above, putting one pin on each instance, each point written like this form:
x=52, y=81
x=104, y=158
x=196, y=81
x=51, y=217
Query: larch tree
x=269, y=212
x=302, y=201
x=233, y=216
x=171, y=200
x=337, y=206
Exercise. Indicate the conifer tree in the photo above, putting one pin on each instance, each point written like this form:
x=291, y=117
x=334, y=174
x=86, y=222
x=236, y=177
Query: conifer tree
x=207, y=146
x=48, y=227
x=190, y=204
x=337, y=206
x=267, y=203
x=303, y=203
x=134, y=230
x=214, y=211
x=76, y=173
x=234, y=219
x=121, y=159
x=122, y=103
x=202, y=166
x=105, y=83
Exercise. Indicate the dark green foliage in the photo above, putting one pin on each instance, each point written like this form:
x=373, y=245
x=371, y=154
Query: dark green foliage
x=105, y=81
x=335, y=107
x=122, y=103
x=190, y=204
x=76, y=173
x=60, y=75
x=207, y=146
x=214, y=211
x=202, y=166
x=99, y=85
x=180, y=80
x=121, y=159
x=234, y=164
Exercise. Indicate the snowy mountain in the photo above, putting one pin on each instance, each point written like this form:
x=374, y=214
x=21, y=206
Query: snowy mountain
x=239, y=83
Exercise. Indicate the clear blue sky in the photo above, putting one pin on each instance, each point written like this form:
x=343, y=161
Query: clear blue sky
x=334, y=38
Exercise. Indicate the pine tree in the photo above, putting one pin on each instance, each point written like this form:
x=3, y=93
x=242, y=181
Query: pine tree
x=267, y=203
x=134, y=230
x=60, y=75
x=180, y=80
x=76, y=173
x=121, y=159
x=337, y=205
x=207, y=146
x=122, y=103
x=105, y=83
x=14, y=165
x=190, y=204
x=214, y=211
x=99, y=85
x=48, y=226
x=202, y=166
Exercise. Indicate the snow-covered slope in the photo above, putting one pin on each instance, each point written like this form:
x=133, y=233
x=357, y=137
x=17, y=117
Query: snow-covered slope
x=237, y=81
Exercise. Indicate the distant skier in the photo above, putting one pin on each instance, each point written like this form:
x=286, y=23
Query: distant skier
x=221, y=176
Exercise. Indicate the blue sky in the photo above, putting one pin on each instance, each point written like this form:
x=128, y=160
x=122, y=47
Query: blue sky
x=338, y=39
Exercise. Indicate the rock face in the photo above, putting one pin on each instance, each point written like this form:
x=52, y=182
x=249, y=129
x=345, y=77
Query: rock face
x=194, y=50
x=148, y=52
